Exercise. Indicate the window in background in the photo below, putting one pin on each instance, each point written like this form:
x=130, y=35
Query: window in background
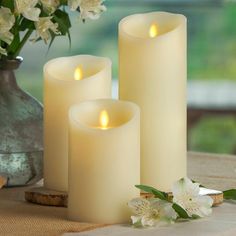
x=211, y=57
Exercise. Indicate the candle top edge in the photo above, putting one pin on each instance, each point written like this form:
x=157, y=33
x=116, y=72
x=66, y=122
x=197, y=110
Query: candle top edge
x=48, y=67
x=76, y=112
x=144, y=18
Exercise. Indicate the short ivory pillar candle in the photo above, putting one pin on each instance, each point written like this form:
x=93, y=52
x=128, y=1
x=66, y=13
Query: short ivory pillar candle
x=67, y=81
x=104, y=160
x=152, y=50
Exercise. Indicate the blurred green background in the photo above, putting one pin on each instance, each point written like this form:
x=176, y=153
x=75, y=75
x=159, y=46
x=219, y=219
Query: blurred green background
x=211, y=54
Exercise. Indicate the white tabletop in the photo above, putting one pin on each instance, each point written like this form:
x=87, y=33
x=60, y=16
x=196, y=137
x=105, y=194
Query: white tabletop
x=212, y=170
x=221, y=223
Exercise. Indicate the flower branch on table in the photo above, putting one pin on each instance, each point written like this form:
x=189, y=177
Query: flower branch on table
x=186, y=203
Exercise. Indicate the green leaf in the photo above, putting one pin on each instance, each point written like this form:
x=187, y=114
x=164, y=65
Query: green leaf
x=53, y=36
x=157, y=193
x=14, y=44
x=63, y=2
x=195, y=217
x=22, y=43
x=64, y=24
x=230, y=194
x=180, y=211
x=63, y=20
x=26, y=24
x=9, y=4
x=69, y=37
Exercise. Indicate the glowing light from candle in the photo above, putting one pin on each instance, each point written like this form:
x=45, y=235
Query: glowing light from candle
x=153, y=31
x=104, y=120
x=78, y=75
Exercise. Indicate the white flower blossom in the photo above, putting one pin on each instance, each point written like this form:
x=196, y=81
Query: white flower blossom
x=151, y=212
x=50, y=6
x=43, y=26
x=7, y=20
x=27, y=9
x=73, y=4
x=88, y=8
x=3, y=51
x=186, y=194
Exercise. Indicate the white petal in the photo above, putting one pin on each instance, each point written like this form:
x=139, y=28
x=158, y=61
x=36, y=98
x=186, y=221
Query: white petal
x=185, y=187
x=24, y=5
x=7, y=19
x=167, y=212
x=150, y=212
x=32, y=14
x=178, y=187
x=148, y=221
x=156, y=202
x=194, y=188
x=20, y=5
x=187, y=195
x=136, y=219
x=88, y=15
x=33, y=3
x=139, y=206
x=206, y=201
x=103, y=8
x=91, y=9
x=30, y=3
x=205, y=206
x=42, y=28
x=73, y=4
x=50, y=6
x=6, y=37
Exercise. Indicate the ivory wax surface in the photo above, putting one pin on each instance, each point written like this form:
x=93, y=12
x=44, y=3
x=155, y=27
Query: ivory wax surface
x=153, y=75
x=61, y=90
x=104, y=163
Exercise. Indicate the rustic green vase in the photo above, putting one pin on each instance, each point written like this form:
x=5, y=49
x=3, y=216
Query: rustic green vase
x=21, y=130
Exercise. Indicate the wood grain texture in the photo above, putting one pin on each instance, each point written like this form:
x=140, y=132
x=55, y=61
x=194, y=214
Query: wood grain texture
x=3, y=181
x=217, y=196
x=214, y=171
x=47, y=197
x=211, y=170
x=43, y=196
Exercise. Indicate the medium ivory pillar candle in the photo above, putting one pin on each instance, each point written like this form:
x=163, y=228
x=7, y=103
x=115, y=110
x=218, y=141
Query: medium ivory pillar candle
x=67, y=81
x=152, y=51
x=104, y=160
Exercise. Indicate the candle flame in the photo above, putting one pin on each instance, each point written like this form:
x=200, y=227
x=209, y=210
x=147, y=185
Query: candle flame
x=78, y=75
x=153, y=31
x=104, y=119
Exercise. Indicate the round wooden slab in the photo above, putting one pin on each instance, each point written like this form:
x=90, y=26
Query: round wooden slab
x=217, y=196
x=3, y=181
x=48, y=197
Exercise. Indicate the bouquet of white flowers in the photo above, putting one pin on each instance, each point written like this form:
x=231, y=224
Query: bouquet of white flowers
x=48, y=18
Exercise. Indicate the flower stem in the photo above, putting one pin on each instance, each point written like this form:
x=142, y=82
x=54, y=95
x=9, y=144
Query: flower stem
x=22, y=43
x=63, y=2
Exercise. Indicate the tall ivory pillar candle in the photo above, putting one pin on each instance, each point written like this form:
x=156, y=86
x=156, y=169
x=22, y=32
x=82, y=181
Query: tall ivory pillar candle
x=104, y=160
x=152, y=53
x=68, y=80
